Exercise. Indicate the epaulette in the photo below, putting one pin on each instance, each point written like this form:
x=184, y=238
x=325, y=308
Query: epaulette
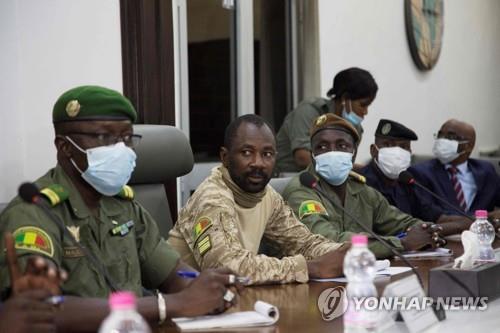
x=126, y=193
x=358, y=177
x=55, y=194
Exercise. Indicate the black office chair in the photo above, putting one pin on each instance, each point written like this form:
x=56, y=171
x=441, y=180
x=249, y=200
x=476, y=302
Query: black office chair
x=163, y=154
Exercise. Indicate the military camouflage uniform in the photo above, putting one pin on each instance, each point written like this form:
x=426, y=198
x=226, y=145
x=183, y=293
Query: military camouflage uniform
x=365, y=203
x=294, y=133
x=210, y=233
x=124, y=238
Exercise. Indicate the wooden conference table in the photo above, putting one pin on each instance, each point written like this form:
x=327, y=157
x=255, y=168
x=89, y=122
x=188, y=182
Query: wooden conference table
x=297, y=303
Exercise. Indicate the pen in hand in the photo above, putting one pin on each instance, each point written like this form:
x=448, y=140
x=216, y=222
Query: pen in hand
x=193, y=275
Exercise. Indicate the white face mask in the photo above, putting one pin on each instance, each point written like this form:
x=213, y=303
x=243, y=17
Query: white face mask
x=446, y=150
x=392, y=161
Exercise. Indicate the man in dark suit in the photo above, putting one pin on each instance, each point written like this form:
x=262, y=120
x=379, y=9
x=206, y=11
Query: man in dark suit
x=391, y=155
x=466, y=183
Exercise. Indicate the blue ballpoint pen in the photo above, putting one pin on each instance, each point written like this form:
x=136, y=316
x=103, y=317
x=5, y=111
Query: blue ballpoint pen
x=55, y=300
x=193, y=275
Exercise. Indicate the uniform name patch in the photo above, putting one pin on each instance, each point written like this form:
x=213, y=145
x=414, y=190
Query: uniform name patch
x=204, y=245
x=310, y=207
x=201, y=226
x=33, y=239
x=72, y=252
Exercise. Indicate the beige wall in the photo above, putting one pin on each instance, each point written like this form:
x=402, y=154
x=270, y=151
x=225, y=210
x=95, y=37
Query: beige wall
x=465, y=83
x=48, y=47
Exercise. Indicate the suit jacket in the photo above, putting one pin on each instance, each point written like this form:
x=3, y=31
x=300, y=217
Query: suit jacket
x=409, y=199
x=433, y=175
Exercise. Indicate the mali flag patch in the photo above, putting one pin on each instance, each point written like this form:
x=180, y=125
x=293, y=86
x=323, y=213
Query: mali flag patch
x=310, y=207
x=200, y=227
x=33, y=239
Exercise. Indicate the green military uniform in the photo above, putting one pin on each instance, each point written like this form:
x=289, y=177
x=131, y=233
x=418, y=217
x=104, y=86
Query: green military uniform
x=368, y=205
x=121, y=234
x=133, y=252
x=294, y=133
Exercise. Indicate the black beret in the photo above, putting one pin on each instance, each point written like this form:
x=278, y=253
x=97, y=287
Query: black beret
x=390, y=129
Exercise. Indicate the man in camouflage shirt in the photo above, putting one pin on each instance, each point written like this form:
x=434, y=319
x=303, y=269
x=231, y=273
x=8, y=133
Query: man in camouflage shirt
x=224, y=221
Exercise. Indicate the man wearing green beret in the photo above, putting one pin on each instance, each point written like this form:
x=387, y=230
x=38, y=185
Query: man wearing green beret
x=87, y=191
x=334, y=142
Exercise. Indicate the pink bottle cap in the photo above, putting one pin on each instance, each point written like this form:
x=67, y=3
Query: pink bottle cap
x=481, y=213
x=122, y=300
x=359, y=240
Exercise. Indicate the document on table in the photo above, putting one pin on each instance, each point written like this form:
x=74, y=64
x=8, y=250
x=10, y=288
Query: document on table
x=264, y=314
x=383, y=269
x=439, y=252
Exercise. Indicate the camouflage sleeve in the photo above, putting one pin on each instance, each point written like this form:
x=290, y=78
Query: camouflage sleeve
x=303, y=118
x=213, y=237
x=34, y=234
x=328, y=223
x=292, y=236
x=157, y=258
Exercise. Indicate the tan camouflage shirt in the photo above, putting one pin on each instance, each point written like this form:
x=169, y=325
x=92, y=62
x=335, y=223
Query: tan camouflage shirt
x=213, y=231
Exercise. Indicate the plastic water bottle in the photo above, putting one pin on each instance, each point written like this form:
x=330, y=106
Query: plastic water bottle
x=360, y=269
x=485, y=234
x=123, y=317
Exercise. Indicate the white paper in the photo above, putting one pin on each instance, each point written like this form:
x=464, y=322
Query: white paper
x=384, y=268
x=265, y=314
x=439, y=252
x=382, y=264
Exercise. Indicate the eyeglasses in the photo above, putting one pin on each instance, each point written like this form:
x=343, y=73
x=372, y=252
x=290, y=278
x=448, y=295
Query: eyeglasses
x=450, y=136
x=103, y=139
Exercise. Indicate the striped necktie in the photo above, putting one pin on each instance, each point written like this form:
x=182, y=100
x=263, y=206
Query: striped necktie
x=457, y=187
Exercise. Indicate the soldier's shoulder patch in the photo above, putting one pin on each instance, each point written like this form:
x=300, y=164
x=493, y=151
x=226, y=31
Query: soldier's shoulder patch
x=126, y=193
x=310, y=207
x=201, y=225
x=33, y=239
x=204, y=245
x=55, y=193
x=358, y=177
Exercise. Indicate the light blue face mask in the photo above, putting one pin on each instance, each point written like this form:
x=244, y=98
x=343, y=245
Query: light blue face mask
x=109, y=167
x=334, y=166
x=352, y=117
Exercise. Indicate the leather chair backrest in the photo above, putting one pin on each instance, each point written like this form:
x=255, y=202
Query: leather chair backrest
x=279, y=184
x=163, y=154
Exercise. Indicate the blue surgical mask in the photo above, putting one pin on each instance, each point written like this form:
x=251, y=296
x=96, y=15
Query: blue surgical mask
x=352, y=117
x=109, y=167
x=334, y=166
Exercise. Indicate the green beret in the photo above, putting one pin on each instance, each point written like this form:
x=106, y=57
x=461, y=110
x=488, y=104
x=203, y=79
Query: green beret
x=392, y=130
x=92, y=103
x=331, y=121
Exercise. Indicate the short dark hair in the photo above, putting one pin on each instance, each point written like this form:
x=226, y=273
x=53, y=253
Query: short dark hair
x=232, y=128
x=355, y=83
